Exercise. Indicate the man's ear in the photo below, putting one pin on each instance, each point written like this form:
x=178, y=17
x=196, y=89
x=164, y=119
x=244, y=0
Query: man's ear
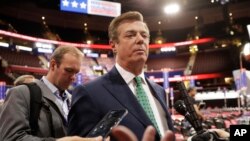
x=114, y=51
x=52, y=64
x=112, y=44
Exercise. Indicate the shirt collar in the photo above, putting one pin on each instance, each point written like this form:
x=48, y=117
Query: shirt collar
x=128, y=76
x=143, y=77
x=49, y=84
x=53, y=88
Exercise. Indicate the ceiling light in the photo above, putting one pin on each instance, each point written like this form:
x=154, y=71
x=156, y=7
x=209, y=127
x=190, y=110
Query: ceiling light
x=172, y=8
x=89, y=42
x=246, y=49
x=248, y=29
x=3, y=44
x=231, y=32
x=25, y=48
x=159, y=41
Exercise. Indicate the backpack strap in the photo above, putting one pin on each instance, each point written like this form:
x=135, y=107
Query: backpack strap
x=35, y=106
x=49, y=117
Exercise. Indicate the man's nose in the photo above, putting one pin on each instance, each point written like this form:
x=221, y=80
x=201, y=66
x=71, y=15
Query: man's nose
x=73, y=77
x=139, y=38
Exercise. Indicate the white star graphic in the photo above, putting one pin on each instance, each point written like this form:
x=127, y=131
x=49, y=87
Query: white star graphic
x=65, y=3
x=83, y=5
x=74, y=4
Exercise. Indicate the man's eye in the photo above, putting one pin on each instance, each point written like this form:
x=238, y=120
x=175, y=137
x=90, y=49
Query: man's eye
x=129, y=35
x=69, y=70
x=145, y=35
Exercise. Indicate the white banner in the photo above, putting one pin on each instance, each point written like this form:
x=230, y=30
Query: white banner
x=104, y=8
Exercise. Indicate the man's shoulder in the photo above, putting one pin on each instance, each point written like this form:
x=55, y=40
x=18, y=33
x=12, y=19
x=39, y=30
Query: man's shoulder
x=17, y=89
x=154, y=84
x=98, y=80
x=39, y=83
x=18, y=94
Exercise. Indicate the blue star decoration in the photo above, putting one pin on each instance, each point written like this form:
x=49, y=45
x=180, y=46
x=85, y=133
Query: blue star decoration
x=79, y=6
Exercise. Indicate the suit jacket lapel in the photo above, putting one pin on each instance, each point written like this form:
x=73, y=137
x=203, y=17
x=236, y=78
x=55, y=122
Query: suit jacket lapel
x=157, y=94
x=120, y=90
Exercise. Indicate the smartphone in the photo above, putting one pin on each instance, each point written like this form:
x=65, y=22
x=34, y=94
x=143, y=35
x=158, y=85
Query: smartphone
x=110, y=120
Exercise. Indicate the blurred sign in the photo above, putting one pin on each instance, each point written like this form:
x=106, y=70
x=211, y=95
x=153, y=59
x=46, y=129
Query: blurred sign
x=240, y=79
x=192, y=82
x=92, y=7
x=79, y=79
x=248, y=29
x=165, y=80
x=2, y=90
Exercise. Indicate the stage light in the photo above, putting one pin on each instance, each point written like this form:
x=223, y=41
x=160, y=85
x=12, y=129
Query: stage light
x=172, y=8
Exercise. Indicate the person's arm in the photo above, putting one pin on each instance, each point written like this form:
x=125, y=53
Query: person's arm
x=83, y=115
x=200, y=116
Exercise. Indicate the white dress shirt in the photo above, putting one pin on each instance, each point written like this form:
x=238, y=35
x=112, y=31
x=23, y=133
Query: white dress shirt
x=154, y=103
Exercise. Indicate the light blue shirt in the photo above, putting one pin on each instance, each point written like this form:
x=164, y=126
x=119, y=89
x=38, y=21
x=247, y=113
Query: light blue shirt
x=63, y=100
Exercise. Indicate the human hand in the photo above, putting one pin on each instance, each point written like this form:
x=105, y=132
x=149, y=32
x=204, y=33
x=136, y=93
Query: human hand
x=122, y=133
x=77, y=138
x=203, y=118
x=221, y=133
x=211, y=134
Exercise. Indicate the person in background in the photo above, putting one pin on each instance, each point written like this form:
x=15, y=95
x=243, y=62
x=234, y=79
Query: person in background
x=65, y=63
x=192, y=92
x=24, y=79
x=120, y=87
x=19, y=81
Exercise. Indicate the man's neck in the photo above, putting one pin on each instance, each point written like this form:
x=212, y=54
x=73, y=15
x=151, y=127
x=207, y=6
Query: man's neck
x=135, y=69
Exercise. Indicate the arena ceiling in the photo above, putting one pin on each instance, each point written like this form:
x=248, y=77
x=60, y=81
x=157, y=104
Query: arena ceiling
x=151, y=9
x=174, y=27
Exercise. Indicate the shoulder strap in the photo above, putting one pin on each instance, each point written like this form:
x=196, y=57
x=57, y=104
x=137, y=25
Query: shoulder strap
x=35, y=106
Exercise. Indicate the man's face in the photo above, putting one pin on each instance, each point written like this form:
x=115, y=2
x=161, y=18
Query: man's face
x=192, y=92
x=65, y=73
x=133, y=43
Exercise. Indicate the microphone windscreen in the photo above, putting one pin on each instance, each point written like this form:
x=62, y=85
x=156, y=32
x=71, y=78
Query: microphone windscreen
x=180, y=107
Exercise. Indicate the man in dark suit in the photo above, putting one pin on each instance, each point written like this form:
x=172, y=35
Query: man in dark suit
x=129, y=38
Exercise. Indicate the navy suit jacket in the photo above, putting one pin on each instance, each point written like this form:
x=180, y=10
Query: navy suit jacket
x=92, y=101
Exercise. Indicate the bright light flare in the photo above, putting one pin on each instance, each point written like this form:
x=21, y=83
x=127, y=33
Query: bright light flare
x=172, y=8
x=246, y=49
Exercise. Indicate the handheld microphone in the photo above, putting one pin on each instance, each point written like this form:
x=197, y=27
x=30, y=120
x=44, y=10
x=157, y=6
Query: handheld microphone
x=186, y=108
x=192, y=118
x=180, y=107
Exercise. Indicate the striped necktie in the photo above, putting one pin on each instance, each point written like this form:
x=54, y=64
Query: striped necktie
x=143, y=100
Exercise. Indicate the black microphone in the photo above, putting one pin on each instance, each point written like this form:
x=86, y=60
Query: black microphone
x=186, y=108
x=202, y=135
x=180, y=107
x=192, y=118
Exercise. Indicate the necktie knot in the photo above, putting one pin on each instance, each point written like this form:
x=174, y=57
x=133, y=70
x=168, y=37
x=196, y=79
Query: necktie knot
x=138, y=80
